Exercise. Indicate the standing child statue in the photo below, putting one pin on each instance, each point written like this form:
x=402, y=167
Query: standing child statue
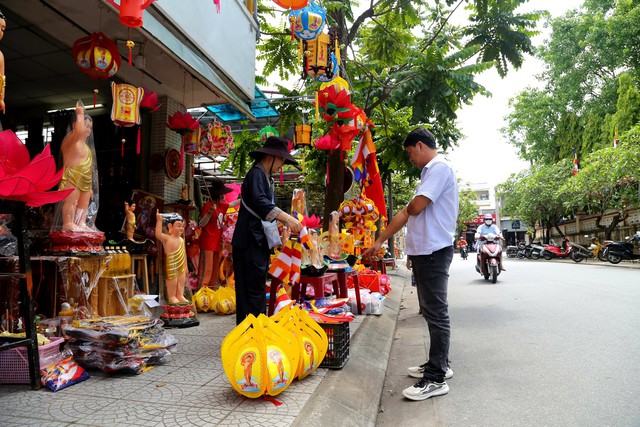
x=130, y=219
x=175, y=265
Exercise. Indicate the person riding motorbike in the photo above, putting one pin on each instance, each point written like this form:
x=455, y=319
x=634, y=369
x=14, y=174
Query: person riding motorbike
x=463, y=247
x=486, y=228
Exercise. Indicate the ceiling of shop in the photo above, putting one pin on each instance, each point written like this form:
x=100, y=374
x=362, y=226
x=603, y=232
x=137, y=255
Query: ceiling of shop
x=41, y=71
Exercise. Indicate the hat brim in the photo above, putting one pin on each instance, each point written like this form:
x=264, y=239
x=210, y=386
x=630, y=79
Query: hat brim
x=261, y=152
x=220, y=191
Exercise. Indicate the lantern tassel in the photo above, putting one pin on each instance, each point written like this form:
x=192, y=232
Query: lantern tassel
x=293, y=34
x=337, y=52
x=281, y=177
x=138, y=140
x=122, y=148
x=181, y=156
x=317, y=108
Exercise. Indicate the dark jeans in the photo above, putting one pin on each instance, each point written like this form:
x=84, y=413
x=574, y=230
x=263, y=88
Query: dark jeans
x=432, y=277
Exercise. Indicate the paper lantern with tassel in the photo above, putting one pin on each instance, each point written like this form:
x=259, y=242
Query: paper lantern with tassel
x=291, y=4
x=307, y=22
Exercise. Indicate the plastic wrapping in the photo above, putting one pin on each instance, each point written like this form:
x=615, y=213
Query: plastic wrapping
x=79, y=210
x=62, y=371
x=119, y=343
x=8, y=242
x=81, y=277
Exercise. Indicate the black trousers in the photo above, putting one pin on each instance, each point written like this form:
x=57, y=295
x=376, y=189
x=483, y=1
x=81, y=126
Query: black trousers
x=250, y=267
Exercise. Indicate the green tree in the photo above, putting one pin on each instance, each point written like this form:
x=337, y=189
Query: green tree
x=467, y=208
x=406, y=55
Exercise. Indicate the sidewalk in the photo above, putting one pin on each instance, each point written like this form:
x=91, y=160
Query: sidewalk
x=193, y=390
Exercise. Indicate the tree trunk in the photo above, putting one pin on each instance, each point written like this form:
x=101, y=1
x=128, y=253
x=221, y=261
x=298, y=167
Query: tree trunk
x=334, y=194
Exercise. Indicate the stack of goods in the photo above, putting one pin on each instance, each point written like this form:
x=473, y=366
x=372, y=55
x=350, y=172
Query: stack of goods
x=119, y=343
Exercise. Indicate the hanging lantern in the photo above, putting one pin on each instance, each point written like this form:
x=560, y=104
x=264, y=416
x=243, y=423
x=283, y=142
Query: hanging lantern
x=307, y=22
x=291, y=4
x=316, y=55
x=266, y=132
x=97, y=56
x=126, y=104
x=302, y=135
x=327, y=77
x=191, y=141
x=131, y=11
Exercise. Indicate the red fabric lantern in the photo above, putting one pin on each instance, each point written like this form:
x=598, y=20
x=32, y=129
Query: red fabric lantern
x=131, y=11
x=292, y=4
x=97, y=56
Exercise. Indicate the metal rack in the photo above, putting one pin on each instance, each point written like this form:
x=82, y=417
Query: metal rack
x=18, y=210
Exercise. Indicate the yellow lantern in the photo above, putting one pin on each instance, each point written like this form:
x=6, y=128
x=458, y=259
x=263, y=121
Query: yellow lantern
x=302, y=135
x=316, y=55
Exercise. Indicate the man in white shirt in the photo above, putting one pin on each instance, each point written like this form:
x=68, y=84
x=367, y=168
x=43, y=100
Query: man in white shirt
x=431, y=222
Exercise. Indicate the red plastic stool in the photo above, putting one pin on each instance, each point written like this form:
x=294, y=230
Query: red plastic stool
x=344, y=292
x=318, y=283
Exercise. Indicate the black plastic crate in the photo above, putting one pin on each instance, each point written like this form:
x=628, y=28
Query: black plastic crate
x=338, y=351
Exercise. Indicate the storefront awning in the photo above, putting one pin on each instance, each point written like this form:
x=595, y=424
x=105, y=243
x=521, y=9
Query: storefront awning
x=260, y=108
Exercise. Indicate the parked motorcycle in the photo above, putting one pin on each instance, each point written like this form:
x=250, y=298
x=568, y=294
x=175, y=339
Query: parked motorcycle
x=562, y=251
x=512, y=251
x=617, y=251
x=579, y=252
x=489, y=259
x=531, y=251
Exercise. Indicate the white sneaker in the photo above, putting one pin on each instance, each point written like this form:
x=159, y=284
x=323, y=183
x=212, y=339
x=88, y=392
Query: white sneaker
x=425, y=389
x=418, y=372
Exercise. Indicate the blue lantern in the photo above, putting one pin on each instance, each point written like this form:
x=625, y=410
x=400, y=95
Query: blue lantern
x=328, y=76
x=308, y=22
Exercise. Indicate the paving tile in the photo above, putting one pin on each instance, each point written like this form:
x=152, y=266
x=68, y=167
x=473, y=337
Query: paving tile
x=164, y=393
x=77, y=407
x=248, y=419
x=179, y=359
x=19, y=421
x=124, y=412
x=201, y=345
x=216, y=393
x=193, y=416
x=194, y=376
x=291, y=403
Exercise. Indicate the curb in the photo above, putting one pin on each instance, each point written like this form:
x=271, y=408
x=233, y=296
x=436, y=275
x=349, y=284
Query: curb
x=351, y=395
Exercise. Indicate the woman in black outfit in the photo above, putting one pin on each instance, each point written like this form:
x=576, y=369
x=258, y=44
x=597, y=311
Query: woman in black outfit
x=250, y=248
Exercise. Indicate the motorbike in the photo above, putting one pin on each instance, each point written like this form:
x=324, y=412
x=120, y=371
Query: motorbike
x=618, y=251
x=595, y=250
x=531, y=251
x=464, y=251
x=512, y=251
x=579, y=252
x=562, y=251
x=489, y=259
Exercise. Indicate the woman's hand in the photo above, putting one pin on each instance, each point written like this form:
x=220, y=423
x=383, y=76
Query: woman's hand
x=294, y=225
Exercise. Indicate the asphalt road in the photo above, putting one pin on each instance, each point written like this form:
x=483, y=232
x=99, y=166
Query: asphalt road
x=551, y=344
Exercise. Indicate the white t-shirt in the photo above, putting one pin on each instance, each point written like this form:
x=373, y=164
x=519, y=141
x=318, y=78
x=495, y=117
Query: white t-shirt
x=434, y=228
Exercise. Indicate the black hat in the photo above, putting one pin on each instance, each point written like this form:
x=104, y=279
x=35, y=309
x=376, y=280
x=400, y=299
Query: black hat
x=276, y=146
x=218, y=188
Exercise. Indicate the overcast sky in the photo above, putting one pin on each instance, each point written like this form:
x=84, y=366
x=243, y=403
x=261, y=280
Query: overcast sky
x=484, y=155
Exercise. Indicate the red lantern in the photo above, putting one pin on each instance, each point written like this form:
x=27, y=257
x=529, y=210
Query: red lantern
x=131, y=11
x=292, y=4
x=97, y=56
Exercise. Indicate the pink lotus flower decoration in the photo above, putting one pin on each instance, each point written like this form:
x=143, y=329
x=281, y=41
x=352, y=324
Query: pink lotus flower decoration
x=311, y=221
x=27, y=180
x=182, y=123
x=150, y=102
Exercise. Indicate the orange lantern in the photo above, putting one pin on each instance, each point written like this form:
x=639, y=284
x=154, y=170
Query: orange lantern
x=97, y=56
x=131, y=11
x=316, y=55
x=303, y=135
x=292, y=4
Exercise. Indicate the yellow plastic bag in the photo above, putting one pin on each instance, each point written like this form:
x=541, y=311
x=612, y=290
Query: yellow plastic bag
x=224, y=301
x=259, y=356
x=202, y=299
